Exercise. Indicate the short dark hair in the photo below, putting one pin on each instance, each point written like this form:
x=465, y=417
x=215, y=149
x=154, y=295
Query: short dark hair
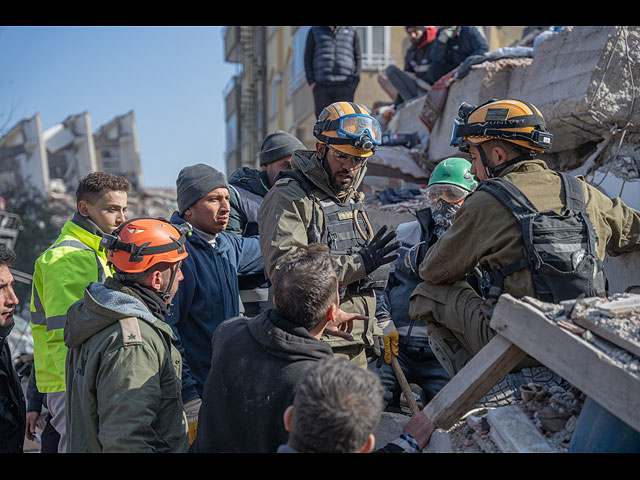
x=513, y=150
x=93, y=184
x=7, y=256
x=337, y=405
x=305, y=285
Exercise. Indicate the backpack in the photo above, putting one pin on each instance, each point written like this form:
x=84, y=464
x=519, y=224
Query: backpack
x=561, y=247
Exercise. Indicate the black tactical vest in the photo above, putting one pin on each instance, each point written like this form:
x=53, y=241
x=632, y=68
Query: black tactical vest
x=345, y=230
x=561, y=247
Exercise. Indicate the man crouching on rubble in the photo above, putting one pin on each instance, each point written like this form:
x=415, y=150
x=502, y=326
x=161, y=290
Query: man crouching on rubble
x=123, y=373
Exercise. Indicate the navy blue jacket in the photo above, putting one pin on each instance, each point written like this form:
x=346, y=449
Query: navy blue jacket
x=332, y=56
x=445, y=57
x=207, y=296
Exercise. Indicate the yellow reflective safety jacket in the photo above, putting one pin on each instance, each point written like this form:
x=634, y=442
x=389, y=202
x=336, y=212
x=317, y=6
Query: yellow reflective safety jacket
x=62, y=272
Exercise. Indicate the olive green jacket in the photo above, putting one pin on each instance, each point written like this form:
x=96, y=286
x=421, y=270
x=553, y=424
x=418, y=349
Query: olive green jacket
x=485, y=232
x=123, y=376
x=284, y=218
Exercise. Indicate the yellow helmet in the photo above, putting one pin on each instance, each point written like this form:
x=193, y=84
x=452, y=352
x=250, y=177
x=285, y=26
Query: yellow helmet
x=350, y=128
x=514, y=121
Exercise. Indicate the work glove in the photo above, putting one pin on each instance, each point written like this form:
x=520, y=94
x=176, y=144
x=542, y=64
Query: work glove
x=386, y=344
x=378, y=252
x=192, y=409
x=390, y=338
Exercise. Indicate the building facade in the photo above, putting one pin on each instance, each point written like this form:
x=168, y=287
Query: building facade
x=270, y=92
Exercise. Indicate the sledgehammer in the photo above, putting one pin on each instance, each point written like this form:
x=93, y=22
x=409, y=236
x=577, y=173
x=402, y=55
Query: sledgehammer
x=404, y=385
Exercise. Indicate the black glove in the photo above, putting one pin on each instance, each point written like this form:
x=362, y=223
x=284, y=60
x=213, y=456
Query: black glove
x=376, y=252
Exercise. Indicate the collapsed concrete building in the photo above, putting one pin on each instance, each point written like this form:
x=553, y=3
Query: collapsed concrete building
x=55, y=159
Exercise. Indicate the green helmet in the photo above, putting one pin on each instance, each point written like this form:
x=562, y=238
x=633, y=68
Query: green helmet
x=454, y=171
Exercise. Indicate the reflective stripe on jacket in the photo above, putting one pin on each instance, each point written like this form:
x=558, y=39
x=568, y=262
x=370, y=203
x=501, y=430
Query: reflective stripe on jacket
x=61, y=274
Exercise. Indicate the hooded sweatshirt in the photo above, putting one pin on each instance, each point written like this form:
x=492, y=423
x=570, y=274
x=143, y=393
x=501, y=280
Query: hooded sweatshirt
x=255, y=367
x=123, y=375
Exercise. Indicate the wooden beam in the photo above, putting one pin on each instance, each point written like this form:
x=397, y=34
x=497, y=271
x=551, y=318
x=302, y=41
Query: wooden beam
x=574, y=359
x=473, y=381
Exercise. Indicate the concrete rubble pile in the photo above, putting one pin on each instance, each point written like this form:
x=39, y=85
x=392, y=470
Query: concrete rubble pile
x=543, y=419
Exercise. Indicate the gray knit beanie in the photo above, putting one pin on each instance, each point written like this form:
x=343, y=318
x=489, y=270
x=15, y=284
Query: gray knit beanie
x=277, y=145
x=194, y=182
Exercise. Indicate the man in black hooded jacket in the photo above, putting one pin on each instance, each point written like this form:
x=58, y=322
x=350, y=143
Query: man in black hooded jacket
x=257, y=362
x=12, y=403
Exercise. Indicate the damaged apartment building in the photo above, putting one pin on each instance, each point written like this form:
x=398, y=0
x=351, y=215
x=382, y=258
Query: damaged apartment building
x=55, y=159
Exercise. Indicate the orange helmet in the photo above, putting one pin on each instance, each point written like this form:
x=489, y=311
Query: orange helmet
x=140, y=243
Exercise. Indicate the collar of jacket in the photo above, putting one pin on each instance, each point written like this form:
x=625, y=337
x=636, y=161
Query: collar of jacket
x=102, y=305
x=252, y=180
x=84, y=230
x=4, y=333
x=308, y=162
x=525, y=166
x=221, y=243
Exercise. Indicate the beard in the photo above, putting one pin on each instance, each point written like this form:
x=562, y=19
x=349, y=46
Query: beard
x=335, y=184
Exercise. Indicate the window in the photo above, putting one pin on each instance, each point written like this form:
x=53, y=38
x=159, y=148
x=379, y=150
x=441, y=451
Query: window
x=232, y=132
x=297, y=76
x=374, y=42
x=275, y=95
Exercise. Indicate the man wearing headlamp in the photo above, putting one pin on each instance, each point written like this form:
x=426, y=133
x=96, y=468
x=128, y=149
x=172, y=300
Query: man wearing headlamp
x=504, y=139
x=317, y=201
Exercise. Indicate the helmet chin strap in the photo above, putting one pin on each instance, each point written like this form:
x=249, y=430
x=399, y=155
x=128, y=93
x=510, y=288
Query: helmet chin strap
x=166, y=295
x=495, y=171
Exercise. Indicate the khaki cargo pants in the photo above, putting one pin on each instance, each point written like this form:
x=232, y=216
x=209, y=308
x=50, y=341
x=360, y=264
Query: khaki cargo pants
x=457, y=321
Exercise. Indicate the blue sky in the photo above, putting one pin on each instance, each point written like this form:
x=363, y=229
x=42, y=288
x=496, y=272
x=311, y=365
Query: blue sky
x=171, y=77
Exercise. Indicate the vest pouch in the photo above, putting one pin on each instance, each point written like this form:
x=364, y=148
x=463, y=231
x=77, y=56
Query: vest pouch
x=565, y=265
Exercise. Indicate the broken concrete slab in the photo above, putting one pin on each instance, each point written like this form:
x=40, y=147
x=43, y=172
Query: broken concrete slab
x=390, y=428
x=512, y=431
x=581, y=79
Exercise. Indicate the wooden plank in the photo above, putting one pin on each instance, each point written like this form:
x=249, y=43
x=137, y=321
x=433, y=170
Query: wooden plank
x=574, y=359
x=473, y=381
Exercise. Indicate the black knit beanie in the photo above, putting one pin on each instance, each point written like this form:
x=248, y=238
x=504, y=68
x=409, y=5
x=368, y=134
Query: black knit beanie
x=195, y=181
x=277, y=145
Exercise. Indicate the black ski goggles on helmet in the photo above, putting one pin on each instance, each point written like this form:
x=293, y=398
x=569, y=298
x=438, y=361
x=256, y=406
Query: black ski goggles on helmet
x=538, y=137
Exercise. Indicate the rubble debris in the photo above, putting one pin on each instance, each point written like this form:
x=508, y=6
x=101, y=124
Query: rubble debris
x=513, y=432
x=611, y=324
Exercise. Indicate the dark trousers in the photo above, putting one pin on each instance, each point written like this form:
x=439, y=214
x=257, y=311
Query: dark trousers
x=325, y=94
x=404, y=83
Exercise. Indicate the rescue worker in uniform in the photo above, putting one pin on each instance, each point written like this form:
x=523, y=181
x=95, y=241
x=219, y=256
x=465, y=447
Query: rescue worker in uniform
x=504, y=139
x=123, y=371
x=449, y=184
x=317, y=201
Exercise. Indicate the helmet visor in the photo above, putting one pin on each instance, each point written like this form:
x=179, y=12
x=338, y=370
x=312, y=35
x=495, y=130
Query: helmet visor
x=356, y=125
x=456, y=134
x=447, y=192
